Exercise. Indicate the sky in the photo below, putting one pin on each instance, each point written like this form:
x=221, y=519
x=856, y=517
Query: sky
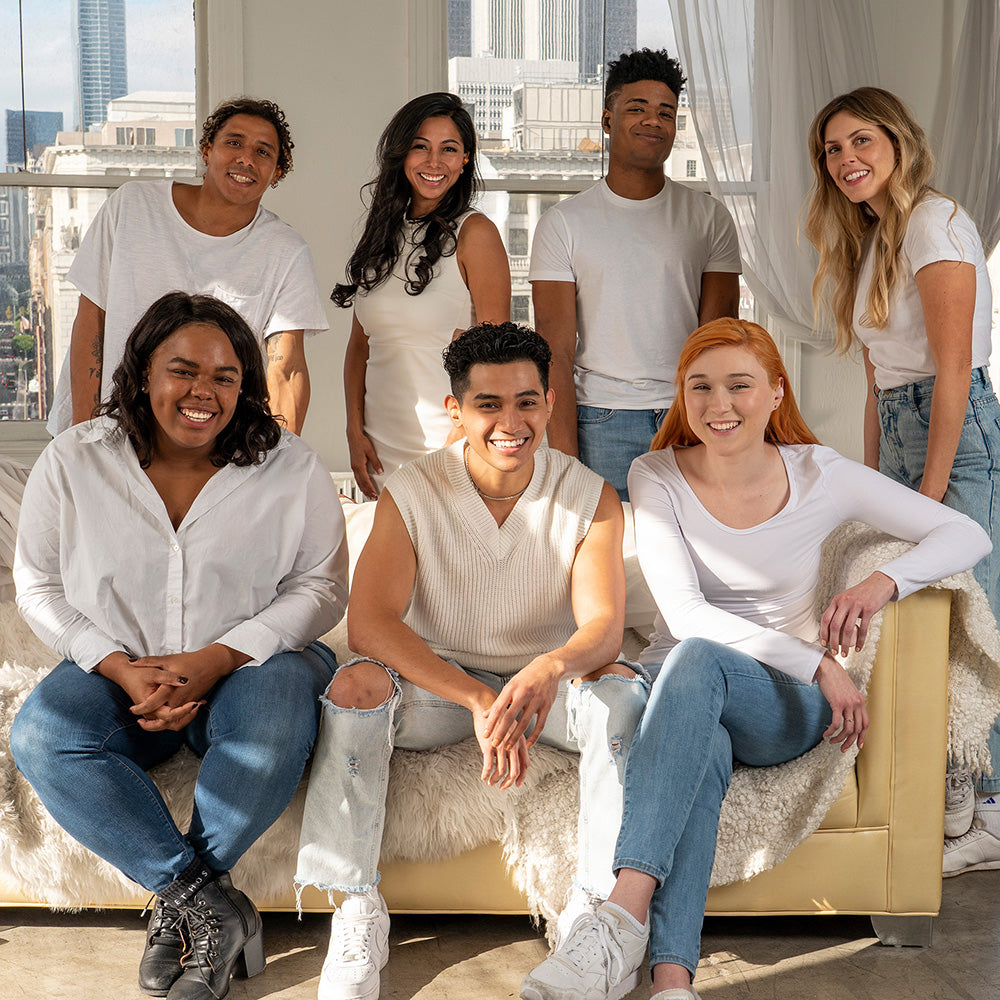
x=160, y=38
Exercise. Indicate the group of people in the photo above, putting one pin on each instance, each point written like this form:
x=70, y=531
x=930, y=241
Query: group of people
x=489, y=600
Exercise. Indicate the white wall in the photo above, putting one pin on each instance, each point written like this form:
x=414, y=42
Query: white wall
x=341, y=70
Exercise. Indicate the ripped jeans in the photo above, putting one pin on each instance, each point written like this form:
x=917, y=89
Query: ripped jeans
x=345, y=804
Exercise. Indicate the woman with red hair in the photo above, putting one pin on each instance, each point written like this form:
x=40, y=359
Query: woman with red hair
x=731, y=508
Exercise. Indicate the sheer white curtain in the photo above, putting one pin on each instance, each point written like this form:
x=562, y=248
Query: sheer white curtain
x=969, y=161
x=758, y=71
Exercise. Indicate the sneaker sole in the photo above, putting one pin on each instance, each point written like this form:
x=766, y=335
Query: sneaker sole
x=982, y=866
x=629, y=983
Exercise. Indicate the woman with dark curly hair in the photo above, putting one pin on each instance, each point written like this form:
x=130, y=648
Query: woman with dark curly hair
x=426, y=268
x=182, y=553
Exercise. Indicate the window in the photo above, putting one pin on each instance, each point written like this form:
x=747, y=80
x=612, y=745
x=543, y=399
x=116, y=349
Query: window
x=517, y=242
x=520, y=308
x=91, y=118
x=183, y=136
x=692, y=168
x=682, y=123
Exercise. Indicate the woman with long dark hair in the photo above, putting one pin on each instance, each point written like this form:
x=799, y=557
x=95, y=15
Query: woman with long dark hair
x=426, y=268
x=182, y=553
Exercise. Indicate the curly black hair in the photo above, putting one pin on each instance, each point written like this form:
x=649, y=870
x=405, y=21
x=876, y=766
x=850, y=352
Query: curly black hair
x=645, y=64
x=250, y=434
x=267, y=110
x=435, y=236
x=494, y=344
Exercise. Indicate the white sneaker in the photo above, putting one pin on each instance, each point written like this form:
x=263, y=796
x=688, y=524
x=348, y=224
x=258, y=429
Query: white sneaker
x=599, y=961
x=580, y=902
x=359, y=948
x=977, y=850
x=676, y=994
x=959, y=803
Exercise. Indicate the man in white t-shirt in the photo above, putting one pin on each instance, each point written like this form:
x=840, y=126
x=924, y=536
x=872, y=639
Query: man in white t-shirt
x=154, y=237
x=622, y=273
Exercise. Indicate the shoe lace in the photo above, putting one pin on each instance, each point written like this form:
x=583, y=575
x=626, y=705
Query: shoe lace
x=593, y=938
x=352, y=937
x=202, y=938
x=975, y=833
x=957, y=785
x=166, y=918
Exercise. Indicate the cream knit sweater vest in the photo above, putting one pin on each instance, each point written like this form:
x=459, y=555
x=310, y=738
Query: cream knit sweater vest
x=492, y=598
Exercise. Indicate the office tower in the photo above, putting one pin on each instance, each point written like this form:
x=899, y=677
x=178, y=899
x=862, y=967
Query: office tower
x=29, y=129
x=98, y=57
x=459, y=28
x=607, y=29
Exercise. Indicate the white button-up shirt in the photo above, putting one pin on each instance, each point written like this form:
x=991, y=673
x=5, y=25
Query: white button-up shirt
x=259, y=562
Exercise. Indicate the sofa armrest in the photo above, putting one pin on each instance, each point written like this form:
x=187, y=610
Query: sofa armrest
x=900, y=772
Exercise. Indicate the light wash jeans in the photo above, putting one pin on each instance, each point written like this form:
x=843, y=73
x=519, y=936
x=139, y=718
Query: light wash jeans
x=709, y=704
x=974, y=487
x=608, y=440
x=345, y=804
x=83, y=752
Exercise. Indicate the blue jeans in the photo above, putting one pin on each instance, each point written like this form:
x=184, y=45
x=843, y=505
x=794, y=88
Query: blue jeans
x=709, y=704
x=974, y=486
x=83, y=752
x=345, y=805
x=608, y=440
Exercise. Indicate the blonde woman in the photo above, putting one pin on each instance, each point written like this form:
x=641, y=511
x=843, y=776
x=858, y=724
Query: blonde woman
x=902, y=273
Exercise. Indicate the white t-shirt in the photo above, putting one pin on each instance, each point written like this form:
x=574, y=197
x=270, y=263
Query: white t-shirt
x=259, y=562
x=755, y=588
x=901, y=353
x=637, y=266
x=139, y=248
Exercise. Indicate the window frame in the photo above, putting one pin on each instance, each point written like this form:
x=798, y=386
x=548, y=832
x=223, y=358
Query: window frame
x=223, y=74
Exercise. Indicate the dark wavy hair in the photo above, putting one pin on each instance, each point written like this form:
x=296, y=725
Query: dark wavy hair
x=435, y=236
x=267, y=110
x=645, y=64
x=494, y=344
x=250, y=434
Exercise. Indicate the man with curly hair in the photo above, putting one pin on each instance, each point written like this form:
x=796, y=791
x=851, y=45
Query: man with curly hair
x=622, y=273
x=154, y=237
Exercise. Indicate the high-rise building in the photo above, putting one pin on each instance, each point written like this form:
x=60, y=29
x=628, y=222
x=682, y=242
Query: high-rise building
x=459, y=28
x=98, y=31
x=607, y=29
x=27, y=131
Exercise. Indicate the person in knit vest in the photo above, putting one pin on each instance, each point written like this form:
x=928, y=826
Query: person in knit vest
x=488, y=602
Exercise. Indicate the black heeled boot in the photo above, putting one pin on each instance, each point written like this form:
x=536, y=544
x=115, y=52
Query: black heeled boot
x=223, y=934
x=160, y=965
x=161, y=961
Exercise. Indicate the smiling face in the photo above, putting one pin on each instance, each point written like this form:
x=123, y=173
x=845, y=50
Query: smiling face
x=193, y=380
x=242, y=159
x=434, y=163
x=729, y=399
x=504, y=413
x=860, y=158
x=641, y=125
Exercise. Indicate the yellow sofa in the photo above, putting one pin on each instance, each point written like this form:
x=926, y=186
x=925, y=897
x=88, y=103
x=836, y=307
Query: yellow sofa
x=878, y=851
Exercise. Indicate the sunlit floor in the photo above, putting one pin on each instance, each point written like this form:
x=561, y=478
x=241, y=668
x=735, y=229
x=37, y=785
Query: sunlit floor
x=93, y=956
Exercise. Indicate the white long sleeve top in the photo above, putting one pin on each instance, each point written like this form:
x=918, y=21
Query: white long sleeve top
x=259, y=562
x=755, y=588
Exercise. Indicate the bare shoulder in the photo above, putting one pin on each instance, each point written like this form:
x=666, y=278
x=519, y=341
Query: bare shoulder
x=479, y=229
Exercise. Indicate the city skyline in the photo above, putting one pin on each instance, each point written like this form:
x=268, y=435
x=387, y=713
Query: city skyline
x=160, y=53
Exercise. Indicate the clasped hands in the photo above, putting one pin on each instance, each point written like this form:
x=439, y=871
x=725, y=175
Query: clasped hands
x=502, y=721
x=167, y=691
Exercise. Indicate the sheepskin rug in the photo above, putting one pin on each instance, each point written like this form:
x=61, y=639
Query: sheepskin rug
x=438, y=807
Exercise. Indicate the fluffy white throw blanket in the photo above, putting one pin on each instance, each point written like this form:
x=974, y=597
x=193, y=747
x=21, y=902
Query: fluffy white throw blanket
x=438, y=807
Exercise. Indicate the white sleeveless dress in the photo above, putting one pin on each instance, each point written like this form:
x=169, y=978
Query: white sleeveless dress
x=405, y=381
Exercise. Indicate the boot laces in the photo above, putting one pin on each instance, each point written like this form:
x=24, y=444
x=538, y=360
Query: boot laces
x=202, y=938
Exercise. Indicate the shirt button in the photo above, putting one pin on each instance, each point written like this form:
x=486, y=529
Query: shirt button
x=175, y=600
x=174, y=547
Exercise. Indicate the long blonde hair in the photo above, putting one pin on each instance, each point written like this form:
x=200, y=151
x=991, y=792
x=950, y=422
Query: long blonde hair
x=786, y=424
x=840, y=230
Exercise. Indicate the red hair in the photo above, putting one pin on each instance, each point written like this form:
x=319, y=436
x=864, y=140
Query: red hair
x=786, y=425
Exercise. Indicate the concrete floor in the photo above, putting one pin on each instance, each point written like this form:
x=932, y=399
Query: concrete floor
x=94, y=956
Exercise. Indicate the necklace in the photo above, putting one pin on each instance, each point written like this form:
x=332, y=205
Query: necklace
x=486, y=496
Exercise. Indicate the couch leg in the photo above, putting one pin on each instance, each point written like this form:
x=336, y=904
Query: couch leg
x=904, y=931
